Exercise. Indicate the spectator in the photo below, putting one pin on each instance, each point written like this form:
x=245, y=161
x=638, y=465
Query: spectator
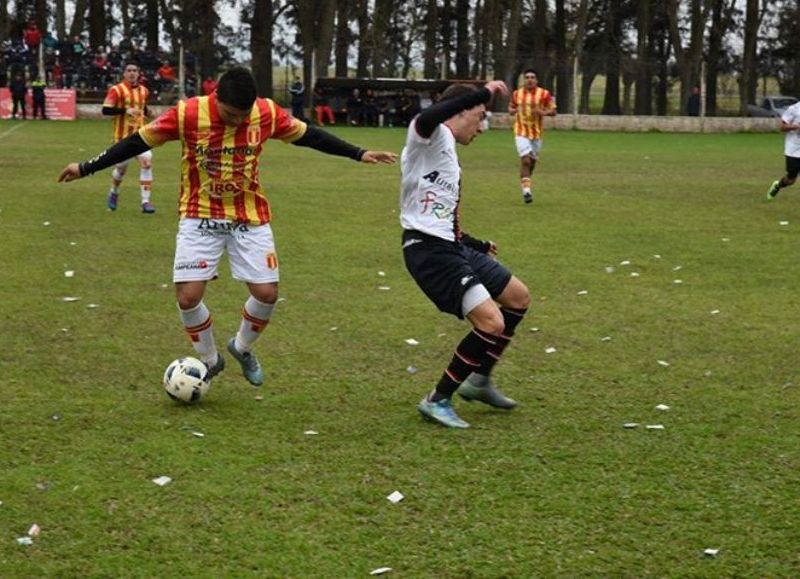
x=18, y=92
x=370, y=109
x=78, y=49
x=99, y=69
x=209, y=85
x=56, y=76
x=384, y=114
x=3, y=74
x=354, y=108
x=167, y=76
x=50, y=43
x=693, y=104
x=32, y=37
x=322, y=108
x=404, y=108
x=37, y=87
x=298, y=92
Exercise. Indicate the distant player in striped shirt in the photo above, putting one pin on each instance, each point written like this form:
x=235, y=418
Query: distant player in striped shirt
x=222, y=203
x=126, y=102
x=528, y=105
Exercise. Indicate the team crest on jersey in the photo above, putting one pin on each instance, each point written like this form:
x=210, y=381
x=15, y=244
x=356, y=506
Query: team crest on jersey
x=254, y=135
x=272, y=260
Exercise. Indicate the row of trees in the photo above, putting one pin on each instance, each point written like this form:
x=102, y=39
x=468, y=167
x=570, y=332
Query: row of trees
x=641, y=47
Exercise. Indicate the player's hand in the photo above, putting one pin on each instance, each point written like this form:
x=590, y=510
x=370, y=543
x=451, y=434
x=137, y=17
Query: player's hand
x=385, y=157
x=497, y=86
x=70, y=173
x=492, y=251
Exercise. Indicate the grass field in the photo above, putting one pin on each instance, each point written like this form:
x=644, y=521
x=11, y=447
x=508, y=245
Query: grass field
x=557, y=488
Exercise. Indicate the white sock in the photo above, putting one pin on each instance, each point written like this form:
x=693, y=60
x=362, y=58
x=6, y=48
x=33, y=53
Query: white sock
x=255, y=317
x=200, y=328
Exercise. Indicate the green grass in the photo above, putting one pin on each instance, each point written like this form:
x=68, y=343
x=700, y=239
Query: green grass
x=556, y=488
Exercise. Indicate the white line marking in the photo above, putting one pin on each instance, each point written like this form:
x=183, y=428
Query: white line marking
x=11, y=130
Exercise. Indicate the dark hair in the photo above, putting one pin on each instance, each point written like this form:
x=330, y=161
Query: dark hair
x=130, y=62
x=237, y=88
x=456, y=90
x=530, y=71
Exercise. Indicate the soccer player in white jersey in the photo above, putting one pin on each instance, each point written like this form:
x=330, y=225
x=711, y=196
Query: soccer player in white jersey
x=790, y=124
x=457, y=272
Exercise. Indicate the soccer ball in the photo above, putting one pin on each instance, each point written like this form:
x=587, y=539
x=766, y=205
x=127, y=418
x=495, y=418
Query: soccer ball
x=186, y=380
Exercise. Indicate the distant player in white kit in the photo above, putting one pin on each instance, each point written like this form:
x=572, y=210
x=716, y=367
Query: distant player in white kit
x=790, y=124
x=457, y=272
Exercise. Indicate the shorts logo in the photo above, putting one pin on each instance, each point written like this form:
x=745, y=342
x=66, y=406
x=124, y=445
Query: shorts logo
x=272, y=261
x=465, y=279
x=254, y=135
x=201, y=264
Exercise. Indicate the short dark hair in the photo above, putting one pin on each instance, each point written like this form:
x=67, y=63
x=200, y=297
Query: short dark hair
x=237, y=88
x=456, y=90
x=128, y=63
x=530, y=71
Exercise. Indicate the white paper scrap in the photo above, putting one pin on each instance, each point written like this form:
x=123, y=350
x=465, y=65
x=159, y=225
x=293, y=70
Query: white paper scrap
x=382, y=273
x=583, y=292
x=714, y=312
x=93, y=306
x=72, y=243
x=634, y=274
x=162, y=481
x=630, y=425
x=534, y=330
x=24, y=540
x=34, y=530
x=46, y=224
x=311, y=432
x=411, y=369
x=69, y=273
x=281, y=300
x=626, y=262
x=677, y=268
x=657, y=256
x=380, y=570
x=412, y=342
x=654, y=427
x=610, y=269
x=198, y=434
x=259, y=398
x=662, y=407
x=663, y=363
x=334, y=328
x=70, y=299
x=711, y=552
x=164, y=286
x=783, y=223
x=385, y=288
x=677, y=281
x=395, y=497
x=726, y=239
x=550, y=350
x=605, y=339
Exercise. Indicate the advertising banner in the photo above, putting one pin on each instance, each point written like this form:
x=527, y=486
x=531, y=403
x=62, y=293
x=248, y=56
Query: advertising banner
x=59, y=104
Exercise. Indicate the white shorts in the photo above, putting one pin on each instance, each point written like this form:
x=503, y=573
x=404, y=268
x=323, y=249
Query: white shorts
x=526, y=146
x=201, y=242
x=144, y=158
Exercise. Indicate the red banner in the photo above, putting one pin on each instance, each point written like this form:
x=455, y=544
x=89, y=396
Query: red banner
x=59, y=104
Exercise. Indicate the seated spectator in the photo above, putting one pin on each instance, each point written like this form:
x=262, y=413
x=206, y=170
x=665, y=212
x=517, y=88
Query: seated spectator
x=78, y=49
x=384, y=116
x=209, y=85
x=322, y=108
x=354, y=108
x=370, y=111
x=99, y=69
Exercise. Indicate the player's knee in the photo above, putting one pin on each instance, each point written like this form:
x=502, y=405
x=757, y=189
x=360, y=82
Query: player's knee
x=189, y=295
x=492, y=324
x=265, y=292
x=516, y=295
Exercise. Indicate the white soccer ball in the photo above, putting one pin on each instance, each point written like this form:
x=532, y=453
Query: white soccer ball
x=186, y=380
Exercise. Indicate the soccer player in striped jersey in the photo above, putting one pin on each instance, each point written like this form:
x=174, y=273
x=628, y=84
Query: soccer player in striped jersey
x=222, y=203
x=458, y=273
x=528, y=105
x=126, y=103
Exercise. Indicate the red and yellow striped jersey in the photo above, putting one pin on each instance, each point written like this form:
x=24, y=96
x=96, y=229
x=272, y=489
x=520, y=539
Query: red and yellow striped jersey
x=528, y=123
x=125, y=96
x=219, y=166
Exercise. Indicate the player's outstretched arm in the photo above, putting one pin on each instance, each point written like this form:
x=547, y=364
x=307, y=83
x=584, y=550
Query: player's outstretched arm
x=427, y=121
x=123, y=150
x=325, y=142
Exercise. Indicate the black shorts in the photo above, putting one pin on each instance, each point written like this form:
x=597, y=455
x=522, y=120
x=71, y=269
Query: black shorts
x=445, y=270
x=792, y=167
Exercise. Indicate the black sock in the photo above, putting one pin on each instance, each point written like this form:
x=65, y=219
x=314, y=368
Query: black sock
x=511, y=318
x=468, y=357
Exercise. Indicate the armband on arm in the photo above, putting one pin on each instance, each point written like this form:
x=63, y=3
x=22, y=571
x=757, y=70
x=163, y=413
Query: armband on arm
x=112, y=111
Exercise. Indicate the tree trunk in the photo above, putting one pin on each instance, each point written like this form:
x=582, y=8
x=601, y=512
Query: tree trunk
x=79, y=18
x=61, y=20
x=97, y=23
x=380, y=30
x=689, y=60
x=206, y=22
x=4, y=21
x=261, y=46
x=643, y=101
x=169, y=28
x=447, y=39
x=429, y=61
x=748, y=81
x=40, y=15
x=324, y=35
x=364, y=39
x=611, y=104
x=151, y=24
x=540, y=61
x=343, y=37
x=720, y=21
x=462, y=39
x=126, y=18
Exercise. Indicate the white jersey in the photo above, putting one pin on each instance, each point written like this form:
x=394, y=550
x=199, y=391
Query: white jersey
x=792, y=116
x=430, y=187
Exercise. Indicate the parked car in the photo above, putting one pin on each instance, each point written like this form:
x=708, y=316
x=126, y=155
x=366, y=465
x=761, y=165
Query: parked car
x=771, y=106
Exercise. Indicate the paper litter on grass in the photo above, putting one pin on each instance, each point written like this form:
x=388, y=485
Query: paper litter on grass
x=605, y=339
x=626, y=262
x=46, y=223
x=634, y=274
x=198, y=434
x=677, y=268
x=24, y=540
x=380, y=570
x=34, y=530
x=654, y=427
x=663, y=363
x=726, y=239
x=411, y=369
x=714, y=312
x=395, y=497
x=412, y=342
x=677, y=281
x=610, y=269
x=333, y=328
x=93, y=306
x=384, y=287
x=310, y=432
x=259, y=398
x=630, y=425
x=550, y=350
x=70, y=299
x=662, y=407
x=783, y=223
x=657, y=256
x=382, y=273
x=69, y=273
x=583, y=292
x=162, y=480
x=534, y=330
x=711, y=552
